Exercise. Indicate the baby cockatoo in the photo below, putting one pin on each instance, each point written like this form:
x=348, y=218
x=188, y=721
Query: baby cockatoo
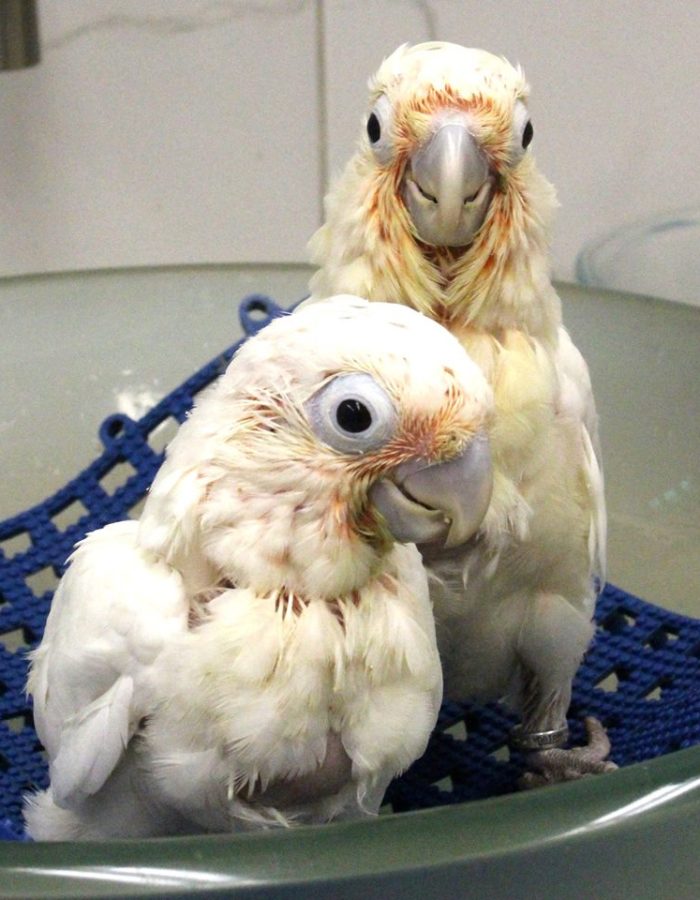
x=258, y=648
x=442, y=208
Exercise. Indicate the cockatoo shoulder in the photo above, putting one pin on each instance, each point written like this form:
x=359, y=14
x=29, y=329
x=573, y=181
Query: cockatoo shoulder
x=113, y=612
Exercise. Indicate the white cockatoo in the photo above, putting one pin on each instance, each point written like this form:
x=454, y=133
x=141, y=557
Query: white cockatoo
x=442, y=208
x=259, y=648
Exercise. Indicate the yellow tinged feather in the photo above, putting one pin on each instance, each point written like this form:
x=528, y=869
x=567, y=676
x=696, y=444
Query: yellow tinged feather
x=542, y=541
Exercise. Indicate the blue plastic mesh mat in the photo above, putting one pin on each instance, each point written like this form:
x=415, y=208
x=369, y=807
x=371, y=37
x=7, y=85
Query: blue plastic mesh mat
x=641, y=676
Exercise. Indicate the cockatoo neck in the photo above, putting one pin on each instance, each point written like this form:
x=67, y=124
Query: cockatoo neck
x=284, y=528
x=500, y=281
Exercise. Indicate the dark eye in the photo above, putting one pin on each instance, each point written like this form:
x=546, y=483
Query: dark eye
x=353, y=416
x=374, y=130
x=379, y=130
x=523, y=132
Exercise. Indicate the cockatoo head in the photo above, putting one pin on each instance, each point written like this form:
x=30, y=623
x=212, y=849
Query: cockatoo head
x=449, y=128
x=442, y=201
x=334, y=432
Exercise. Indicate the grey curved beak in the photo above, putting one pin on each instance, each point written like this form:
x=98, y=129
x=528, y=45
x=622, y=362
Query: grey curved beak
x=448, y=187
x=446, y=502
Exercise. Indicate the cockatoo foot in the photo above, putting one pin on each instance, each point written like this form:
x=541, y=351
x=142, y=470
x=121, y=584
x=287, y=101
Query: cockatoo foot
x=556, y=765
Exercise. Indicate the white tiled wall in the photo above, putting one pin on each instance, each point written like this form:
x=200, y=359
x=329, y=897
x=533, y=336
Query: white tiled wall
x=163, y=131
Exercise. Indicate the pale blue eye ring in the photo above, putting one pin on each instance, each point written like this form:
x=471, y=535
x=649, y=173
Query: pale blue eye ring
x=379, y=128
x=352, y=414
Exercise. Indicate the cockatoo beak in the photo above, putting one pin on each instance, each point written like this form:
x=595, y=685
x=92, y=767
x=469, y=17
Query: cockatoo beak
x=447, y=187
x=425, y=503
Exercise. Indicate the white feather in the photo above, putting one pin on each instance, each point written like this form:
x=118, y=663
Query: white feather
x=92, y=743
x=113, y=613
x=541, y=553
x=245, y=655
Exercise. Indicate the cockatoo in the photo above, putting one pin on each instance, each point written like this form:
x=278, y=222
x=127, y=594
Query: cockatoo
x=442, y=208
x=259, y=648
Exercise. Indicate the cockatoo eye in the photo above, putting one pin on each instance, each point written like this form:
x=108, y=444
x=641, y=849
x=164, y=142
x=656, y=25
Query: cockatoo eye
x=379, y=131
x=374, y=129
x=352, y=414
x=523, y=131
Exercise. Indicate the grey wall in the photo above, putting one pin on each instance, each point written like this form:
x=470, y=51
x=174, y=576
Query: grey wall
x=172, y=131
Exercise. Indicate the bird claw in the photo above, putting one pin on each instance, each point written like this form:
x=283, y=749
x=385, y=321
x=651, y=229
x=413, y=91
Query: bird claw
x=556, y=765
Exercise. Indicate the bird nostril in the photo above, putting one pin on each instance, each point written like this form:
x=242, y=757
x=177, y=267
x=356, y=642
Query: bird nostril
x=425, y=194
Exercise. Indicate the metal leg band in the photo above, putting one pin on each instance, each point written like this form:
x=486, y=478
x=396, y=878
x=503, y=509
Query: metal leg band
x=538, y=740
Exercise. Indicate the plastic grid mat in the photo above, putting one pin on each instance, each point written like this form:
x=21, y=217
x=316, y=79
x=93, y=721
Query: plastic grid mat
x=641, y=676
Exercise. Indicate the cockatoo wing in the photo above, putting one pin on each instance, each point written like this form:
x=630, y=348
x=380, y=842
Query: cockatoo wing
x=114, y=610
x=577, y=403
